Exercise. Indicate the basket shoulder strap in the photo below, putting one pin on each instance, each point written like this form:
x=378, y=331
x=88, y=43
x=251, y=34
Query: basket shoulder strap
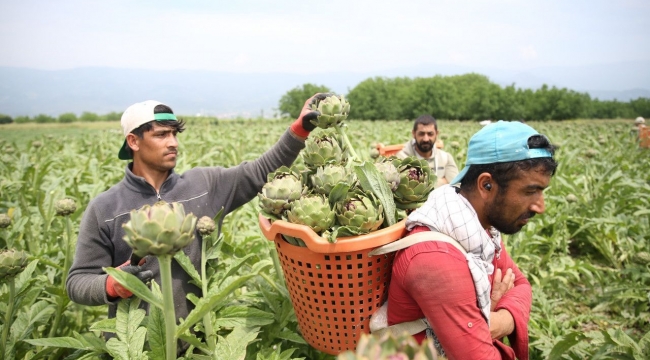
x=413, y=239
x=411, y=327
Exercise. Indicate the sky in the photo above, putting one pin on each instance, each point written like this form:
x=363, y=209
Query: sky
x=305, y=37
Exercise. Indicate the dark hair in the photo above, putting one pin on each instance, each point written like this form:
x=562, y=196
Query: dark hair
x=503, y=173
x=177, y=125
x=425, y=119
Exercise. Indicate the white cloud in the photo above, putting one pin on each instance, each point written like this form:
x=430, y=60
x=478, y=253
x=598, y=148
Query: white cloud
x=528, y=52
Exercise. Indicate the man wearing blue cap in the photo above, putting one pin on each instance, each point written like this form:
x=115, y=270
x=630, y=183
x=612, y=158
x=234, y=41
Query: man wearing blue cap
x=466, y=288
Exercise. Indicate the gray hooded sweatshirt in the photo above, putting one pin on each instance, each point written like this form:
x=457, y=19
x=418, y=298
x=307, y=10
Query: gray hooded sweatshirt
x=202, y=191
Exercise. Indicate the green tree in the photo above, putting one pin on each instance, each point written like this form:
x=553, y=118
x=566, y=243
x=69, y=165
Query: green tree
x=292, y=102
x=42, y=119
x=89, y=117
x=5, y=119
x=22, y=119
x=112, y=116
x=67, y=117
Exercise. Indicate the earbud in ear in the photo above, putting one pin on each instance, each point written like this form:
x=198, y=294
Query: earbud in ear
x=488, y=186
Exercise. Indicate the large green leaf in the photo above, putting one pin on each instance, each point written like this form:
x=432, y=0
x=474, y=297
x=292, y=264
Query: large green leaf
x=233, y=346
x=156, y=327
x=372, y=180
x=246, y=316
x=185, y=262
x=134, y=285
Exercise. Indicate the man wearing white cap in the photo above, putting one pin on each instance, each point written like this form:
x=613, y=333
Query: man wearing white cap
x=466, y=288
x=150, y=130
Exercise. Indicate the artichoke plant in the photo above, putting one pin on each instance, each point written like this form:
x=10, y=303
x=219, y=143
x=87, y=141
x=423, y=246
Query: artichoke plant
x=283, y=187
x=312, y=210
x=359, y=214
x=321, y=149
x=333, y=110
x=389, y=346
x=12, y=262
x=415, y=184
x=159, y=229
x=328, y=176
x=390, y=173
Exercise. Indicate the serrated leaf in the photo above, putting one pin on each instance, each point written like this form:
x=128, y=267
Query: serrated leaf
x=105, y=325
x=373, y=181
x=184, y=261
x=60, y=342
x=292, y=336
x=117, y=349
x=567, y=342
x=156, y=327
x=207, y=303
x=233, y=346
x=235, y=266
x=233, y=316
x=134, y=285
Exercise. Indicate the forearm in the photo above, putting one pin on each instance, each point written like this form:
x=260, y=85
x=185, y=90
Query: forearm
x=501, y=324
x=87, y=289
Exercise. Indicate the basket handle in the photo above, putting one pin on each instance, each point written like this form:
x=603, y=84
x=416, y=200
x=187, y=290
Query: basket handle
x=319, y=244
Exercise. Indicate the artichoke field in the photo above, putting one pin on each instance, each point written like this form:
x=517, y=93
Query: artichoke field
x=337, y=194
x=587, y=257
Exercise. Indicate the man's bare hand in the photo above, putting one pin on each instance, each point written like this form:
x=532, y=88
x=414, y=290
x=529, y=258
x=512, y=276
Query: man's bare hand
x=500, y=286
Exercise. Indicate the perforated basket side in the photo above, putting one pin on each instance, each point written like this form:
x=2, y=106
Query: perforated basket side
x=333, y=295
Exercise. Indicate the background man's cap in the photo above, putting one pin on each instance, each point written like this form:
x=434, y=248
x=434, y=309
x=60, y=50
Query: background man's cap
x=500, y=142
x=136, y=115
x=639, y=120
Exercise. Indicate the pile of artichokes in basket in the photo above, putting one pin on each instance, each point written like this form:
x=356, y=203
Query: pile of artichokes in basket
x=336, y=193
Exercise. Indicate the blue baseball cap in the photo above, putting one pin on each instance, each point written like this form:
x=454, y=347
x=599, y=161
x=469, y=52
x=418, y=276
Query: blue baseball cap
x=500, y=142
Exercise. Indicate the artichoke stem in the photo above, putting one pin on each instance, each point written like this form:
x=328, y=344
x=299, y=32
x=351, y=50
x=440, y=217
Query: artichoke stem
x=64, y=275
x=165, y=262
x=207, y=319
x=8, y=315
x=353, y=154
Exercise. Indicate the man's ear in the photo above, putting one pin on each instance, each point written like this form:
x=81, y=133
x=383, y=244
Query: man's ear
x=485, y=186
x=133, y=141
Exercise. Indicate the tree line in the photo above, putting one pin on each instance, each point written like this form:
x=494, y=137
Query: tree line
x=466, y=97
x=69, y=117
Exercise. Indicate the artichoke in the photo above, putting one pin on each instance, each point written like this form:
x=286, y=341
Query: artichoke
x=65, y=207
x=359, y=214
x=333, y=110
x=5, y=220
x=328, y=176
x=312, y=210
x=415, y=182
x=390, y=173
x=283, y=187
x=12, y=262
x=322, y=149
x=389, y=346
x=159, y=229
x=205, y=226
x=374, y=153
x=571, y=198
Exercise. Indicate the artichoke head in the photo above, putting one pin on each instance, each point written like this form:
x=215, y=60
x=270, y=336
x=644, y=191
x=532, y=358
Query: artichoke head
x=390, y=173
x=160, y=229
x=328, y=176
x=333, y=110
x=389, y=346
x=283, y=187
x=415, y=182
x=205, y=226
x=12, y=262
x=359, y=214
x=323, y=149
x=312, y=210
x=5, y=220
x=65, y=207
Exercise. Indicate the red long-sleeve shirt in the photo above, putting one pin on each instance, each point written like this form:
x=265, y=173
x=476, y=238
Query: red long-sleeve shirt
x=432, y=280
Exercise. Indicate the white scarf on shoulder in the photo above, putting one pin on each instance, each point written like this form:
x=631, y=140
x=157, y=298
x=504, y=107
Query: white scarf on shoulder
x=448, y=212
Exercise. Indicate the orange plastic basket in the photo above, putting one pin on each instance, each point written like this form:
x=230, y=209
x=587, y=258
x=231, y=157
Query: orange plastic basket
x=334, y=288
x=389, y=150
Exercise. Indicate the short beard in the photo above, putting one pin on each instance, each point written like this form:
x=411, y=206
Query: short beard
x=421, y=146
x=494, y=211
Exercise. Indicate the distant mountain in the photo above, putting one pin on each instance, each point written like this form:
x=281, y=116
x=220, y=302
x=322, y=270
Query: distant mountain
x=102, y=90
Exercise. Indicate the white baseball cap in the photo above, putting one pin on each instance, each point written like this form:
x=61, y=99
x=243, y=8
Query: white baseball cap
x=639, y=120
x=135, y=116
